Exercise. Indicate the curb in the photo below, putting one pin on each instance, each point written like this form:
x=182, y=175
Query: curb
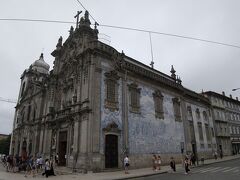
x=219, y=161
x=139, y=176
x=163, y=172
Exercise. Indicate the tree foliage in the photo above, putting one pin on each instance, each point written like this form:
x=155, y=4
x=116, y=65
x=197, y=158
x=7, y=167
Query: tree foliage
x=5, y=145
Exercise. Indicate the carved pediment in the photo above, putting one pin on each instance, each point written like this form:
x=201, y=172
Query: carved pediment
x=112, y=128
x=112, y=75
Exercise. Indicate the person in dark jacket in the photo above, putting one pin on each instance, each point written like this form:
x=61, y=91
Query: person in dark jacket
x=173, y=164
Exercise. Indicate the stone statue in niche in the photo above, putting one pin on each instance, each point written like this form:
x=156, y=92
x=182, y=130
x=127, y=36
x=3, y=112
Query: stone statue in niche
x=54, y=137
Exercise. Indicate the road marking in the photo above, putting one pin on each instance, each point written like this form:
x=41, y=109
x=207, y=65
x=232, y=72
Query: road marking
x=202, y=169
x=236, y=171
x=230, y=169
x=209, y=170
x=221, y=169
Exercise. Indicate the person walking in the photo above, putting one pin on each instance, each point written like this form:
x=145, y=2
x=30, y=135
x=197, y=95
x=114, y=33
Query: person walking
x=215, y=155
x=51, y=171
x=173, y=164
x=186, y=165
x=46, y=168
x=126, y=164
x=40, y=162
x=56, y=159
x=193, y=159
x=159, y=162
x=154, y=162
x=221, y=154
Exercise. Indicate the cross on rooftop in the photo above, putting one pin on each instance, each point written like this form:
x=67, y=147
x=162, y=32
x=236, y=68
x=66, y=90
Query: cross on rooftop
x=77, y=16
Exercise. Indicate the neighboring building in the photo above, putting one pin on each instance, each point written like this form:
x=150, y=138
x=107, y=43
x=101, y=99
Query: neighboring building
x=226, y=113
x=3, y=136
x=201, y=126
x=97, y=105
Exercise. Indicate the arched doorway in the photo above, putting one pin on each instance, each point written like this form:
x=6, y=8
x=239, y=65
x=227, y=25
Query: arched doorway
x=24, y=150
x=62, y=148
x=111, y=151
x=30, y=148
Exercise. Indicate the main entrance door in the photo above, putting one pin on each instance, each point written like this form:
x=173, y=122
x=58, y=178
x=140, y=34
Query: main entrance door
x=62, y=148
x=111, y=151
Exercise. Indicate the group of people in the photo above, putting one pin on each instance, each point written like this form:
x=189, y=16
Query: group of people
x=156, y=162
x=188, y=161
x=215, y=154
x=30, y=165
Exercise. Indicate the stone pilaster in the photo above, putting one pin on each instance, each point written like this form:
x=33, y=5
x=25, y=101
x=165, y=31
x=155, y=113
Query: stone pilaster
x=188, y=146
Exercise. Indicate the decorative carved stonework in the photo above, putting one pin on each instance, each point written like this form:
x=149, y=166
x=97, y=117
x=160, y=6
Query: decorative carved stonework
x=54, y=137
x=112, y=128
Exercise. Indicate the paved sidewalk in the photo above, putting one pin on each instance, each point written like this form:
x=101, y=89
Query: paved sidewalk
x=117, y=175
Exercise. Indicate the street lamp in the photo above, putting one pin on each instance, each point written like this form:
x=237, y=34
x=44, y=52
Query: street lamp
x=235, y=89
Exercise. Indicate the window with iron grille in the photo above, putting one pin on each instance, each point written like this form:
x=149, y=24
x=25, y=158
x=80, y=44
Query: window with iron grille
x=158, y=104
x=176, y=108
x=134, y=98
x=111, y=90
x=200, y=130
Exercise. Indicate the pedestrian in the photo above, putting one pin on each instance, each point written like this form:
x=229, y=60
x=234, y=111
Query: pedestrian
x=51, y=171
x=126, y=164
x=221, y=154
x=193, y=159
x=159, y=162
x=46, y=168
x=9, y=163
x=28, y=170
x=40, y=162
x=186, y=165
x=56, y=159
x=154, y=162
x=173, y=164
x=215, y=155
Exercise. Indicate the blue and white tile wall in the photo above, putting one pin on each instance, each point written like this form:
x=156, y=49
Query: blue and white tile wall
x=108, y=116
x=148, y=134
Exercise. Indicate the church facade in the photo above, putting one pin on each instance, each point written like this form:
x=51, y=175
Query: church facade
x=97, y=105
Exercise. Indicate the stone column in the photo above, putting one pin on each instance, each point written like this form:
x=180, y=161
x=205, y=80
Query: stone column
x=125, y=112
x=94, y=125
x=47, y=141
x=188, y=145
x=83, y=141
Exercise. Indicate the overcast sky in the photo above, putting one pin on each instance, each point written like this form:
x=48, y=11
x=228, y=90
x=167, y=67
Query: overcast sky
x=200, y=65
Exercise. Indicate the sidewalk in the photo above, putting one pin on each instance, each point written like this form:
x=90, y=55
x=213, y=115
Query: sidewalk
x=117, y=175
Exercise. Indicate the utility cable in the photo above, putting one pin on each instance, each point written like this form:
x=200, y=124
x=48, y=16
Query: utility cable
x=86, y=10
x=128, y=28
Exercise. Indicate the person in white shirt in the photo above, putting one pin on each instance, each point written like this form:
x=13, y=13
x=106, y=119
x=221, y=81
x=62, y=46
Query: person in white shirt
x=126, y=164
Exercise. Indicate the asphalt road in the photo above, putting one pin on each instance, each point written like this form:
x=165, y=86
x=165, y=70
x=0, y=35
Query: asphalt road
x=228, y=170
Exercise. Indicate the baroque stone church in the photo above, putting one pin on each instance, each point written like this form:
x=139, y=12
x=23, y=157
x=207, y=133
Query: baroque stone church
x=97, y=104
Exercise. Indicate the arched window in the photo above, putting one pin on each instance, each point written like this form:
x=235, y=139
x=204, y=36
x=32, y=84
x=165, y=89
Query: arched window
x=111, y=98
x=29, y=113
x=176, y=109
x=23, y=88
x=34, y=114
x=205, y=116
x=198, y=114
x=158, y=104
x=134, y=98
